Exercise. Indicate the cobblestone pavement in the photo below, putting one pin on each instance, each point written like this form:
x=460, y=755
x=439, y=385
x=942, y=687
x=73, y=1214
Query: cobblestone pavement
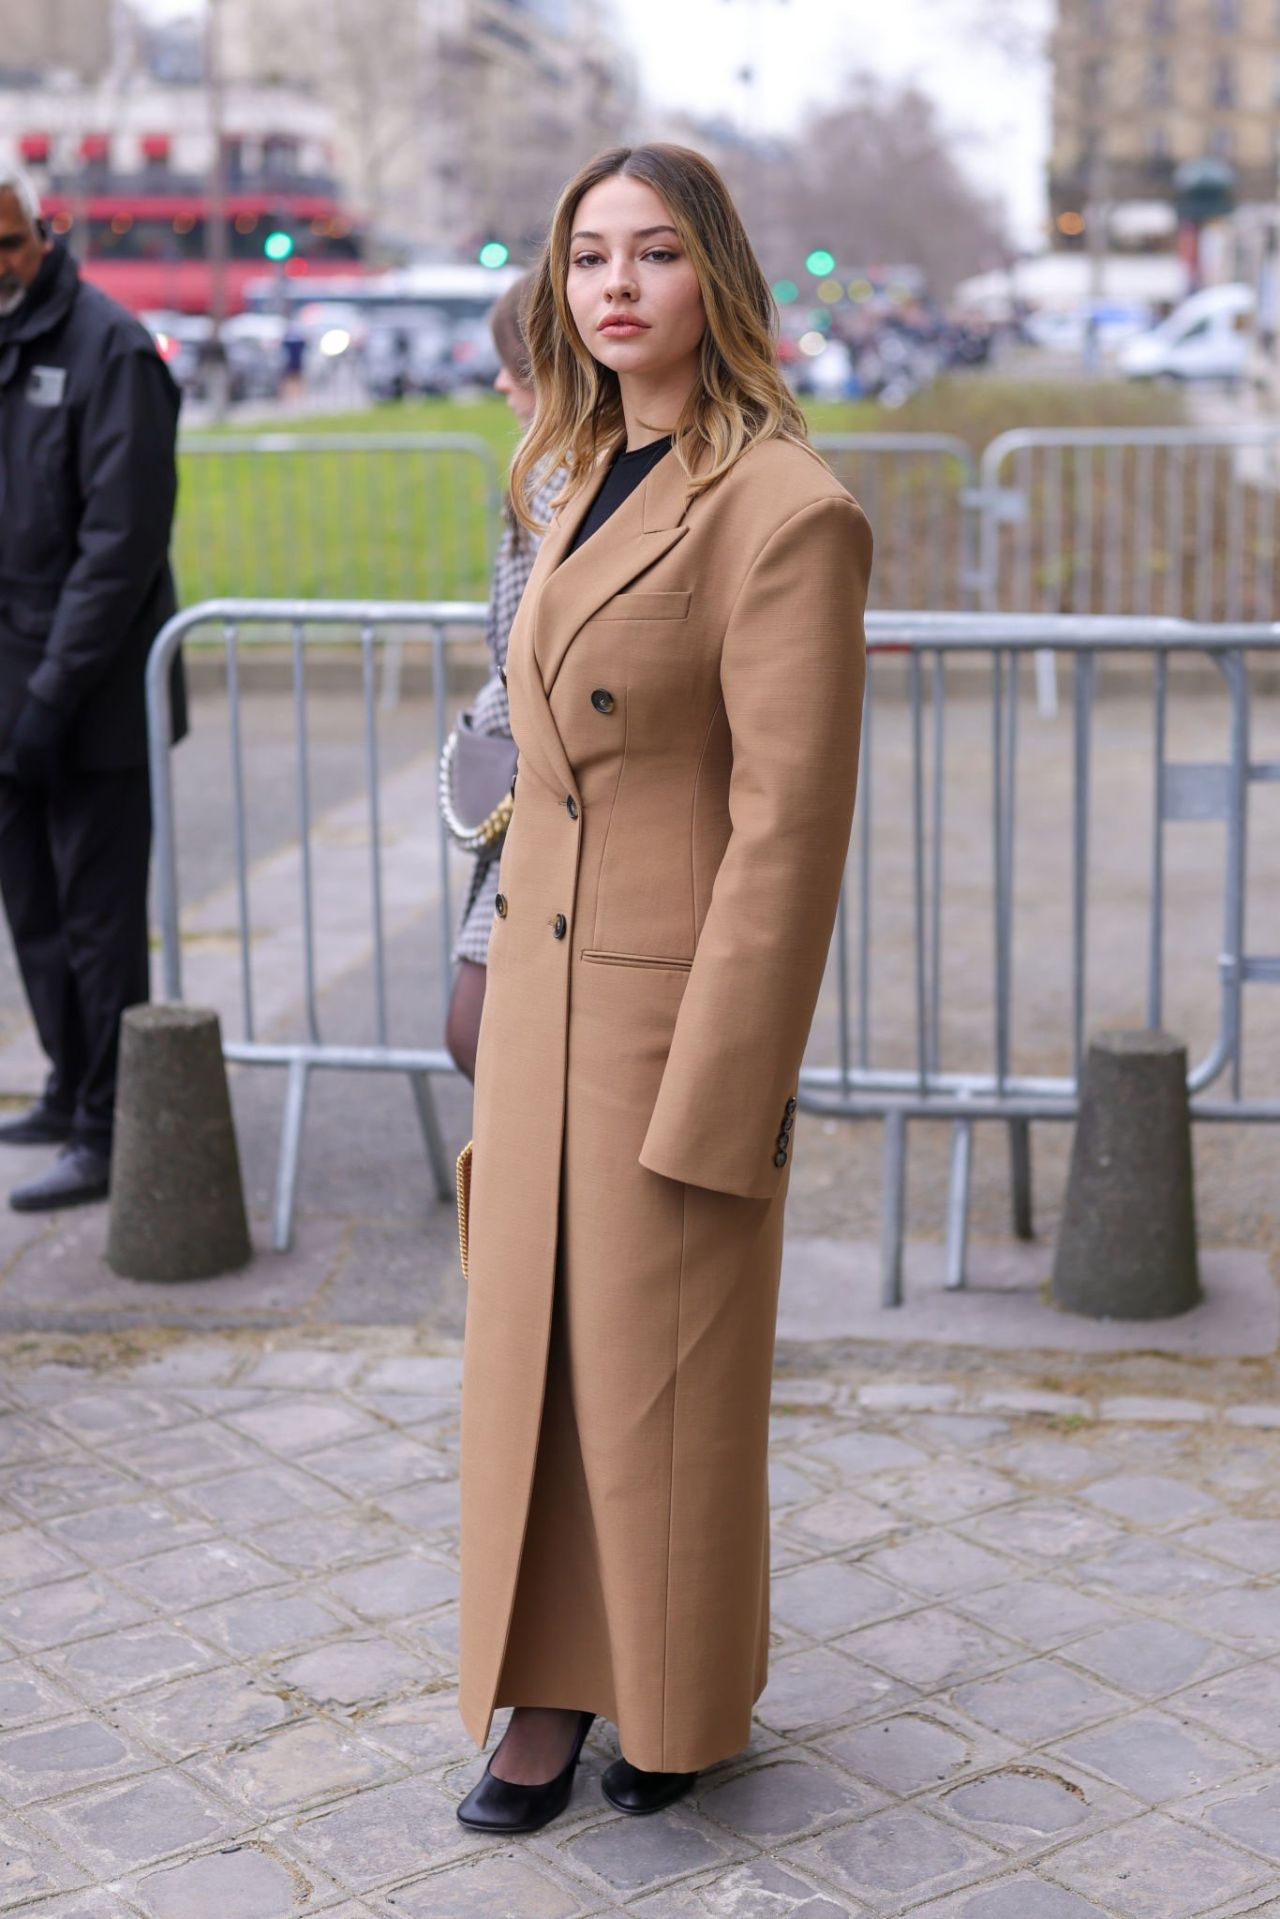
x=1026, y=1653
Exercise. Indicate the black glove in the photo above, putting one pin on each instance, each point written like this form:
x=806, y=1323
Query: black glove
x=36, y=743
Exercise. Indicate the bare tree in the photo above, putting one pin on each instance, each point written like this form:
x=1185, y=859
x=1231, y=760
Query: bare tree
x=878, y=180
x=1020, y=29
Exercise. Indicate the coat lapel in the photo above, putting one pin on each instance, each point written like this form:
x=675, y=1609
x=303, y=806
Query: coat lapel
x=564, y=592
x=648, y=524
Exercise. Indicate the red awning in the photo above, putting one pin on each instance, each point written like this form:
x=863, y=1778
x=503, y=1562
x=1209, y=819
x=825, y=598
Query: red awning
x=95, y=146
x=34, y=146
x=155, y=146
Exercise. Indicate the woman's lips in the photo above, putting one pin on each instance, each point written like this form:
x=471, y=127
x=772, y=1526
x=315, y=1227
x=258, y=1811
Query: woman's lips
x=623, y=326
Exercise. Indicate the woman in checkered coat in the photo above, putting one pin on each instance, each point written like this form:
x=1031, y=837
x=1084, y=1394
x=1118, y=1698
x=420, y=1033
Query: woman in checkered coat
x=489, y=711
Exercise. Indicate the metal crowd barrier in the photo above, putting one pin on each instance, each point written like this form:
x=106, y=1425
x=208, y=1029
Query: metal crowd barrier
x=949, y=1049
x=307, y=625
x=1171, y=521
x=918, y=1081
x=1181, y=522
x=919, y=491
x=388, y=516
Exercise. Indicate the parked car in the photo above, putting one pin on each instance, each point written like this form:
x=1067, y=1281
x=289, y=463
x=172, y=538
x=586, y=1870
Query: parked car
x=250, y=353
x=406, y=352
x=1113, y=324
x=1208, y=337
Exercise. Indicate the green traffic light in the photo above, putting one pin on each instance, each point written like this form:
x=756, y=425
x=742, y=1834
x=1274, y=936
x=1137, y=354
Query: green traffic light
x=278, y=246
x=785, y=291
x=820, y=263
x=494, y=254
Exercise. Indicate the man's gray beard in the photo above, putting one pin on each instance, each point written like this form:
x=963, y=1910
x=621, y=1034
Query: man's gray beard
x=11, y=301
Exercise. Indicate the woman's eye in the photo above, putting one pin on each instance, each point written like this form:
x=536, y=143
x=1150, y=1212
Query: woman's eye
x=585, y=259
x=659, y=253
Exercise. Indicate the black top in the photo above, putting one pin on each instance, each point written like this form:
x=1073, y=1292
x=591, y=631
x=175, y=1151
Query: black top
x=626, y=471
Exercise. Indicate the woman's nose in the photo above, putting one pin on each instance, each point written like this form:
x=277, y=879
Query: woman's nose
x=621, y=280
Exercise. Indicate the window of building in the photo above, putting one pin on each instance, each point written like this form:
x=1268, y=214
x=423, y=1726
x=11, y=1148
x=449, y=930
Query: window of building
x=1158, y=81
x=1221, y=142
x=1095, y=16
x=1224, y=82
x=1160, y=16
x=1157, y=143
x=1226, y=15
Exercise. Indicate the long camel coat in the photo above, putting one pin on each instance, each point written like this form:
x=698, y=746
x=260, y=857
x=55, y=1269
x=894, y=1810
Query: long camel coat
x=686, y=695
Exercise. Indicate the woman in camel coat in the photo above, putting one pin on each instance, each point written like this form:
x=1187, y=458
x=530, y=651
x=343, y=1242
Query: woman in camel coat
x=686, y=689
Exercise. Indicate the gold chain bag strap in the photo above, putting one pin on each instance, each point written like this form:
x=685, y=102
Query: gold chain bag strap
x=476, y=776
x=464, y=1202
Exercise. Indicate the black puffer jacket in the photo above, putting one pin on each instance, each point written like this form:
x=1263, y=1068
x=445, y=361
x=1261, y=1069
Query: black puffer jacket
x=88, y=481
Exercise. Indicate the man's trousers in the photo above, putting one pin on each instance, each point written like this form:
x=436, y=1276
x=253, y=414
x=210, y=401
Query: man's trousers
x=73, y=878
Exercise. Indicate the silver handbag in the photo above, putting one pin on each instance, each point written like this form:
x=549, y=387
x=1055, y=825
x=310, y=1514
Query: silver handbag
x=477, y=777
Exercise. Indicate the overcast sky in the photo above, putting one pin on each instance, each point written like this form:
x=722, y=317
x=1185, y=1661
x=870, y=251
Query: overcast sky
x=691, y=50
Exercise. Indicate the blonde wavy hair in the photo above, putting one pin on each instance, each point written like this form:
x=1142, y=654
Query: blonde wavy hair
x=739, y=396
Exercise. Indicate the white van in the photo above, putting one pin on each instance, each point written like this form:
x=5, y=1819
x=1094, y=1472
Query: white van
x=1208, y=337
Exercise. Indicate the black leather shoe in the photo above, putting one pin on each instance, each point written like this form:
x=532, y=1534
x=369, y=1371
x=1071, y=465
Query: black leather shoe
x=38, y=1126
x=631, y=1790
x=501, y=1805
x=77, y=1176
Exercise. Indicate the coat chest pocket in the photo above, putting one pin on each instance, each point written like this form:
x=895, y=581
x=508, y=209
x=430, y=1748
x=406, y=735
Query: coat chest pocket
x=646, y=606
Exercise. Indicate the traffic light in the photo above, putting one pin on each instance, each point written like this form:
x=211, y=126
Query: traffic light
x=278, y=246
x=820, y=263
x=493, y=254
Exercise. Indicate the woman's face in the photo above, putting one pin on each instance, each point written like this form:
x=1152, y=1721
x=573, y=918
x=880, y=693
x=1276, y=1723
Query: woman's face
x=519, y=397
x=626, y=264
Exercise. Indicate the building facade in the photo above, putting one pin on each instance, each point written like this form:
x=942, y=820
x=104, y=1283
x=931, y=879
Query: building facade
x=123, y=161
x=457, y=120
x=1142, y=85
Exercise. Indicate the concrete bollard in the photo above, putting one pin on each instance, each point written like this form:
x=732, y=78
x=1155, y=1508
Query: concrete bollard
x=177, y=1204
x=1127, y=1245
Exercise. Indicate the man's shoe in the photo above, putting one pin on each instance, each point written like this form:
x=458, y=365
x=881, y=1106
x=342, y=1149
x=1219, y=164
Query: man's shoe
x=78, y=1175
x=631, y=1790
x=38, y=1126
x=502, y=1805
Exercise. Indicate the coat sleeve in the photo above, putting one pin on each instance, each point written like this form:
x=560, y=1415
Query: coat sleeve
x=127, y=480
x=792, y=675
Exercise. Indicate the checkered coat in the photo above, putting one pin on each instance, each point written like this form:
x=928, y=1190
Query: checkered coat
x=489, y=711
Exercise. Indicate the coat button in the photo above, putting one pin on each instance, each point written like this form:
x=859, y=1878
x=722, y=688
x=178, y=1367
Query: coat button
x=561, y=926
x=782, y=1142
x=500, y=906
x=502, y=674
x=790, y=1106
x=602, y=700
x=571, y=806
x=779, y=1159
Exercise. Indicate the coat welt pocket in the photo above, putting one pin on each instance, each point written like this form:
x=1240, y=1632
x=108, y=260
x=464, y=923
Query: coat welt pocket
x=646, y=606
x=601, y=958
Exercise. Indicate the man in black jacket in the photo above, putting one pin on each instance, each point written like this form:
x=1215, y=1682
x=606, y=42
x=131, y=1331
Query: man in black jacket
x=88, y=479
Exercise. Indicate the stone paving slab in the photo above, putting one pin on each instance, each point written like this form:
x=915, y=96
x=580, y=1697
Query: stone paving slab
x=1025, y=1660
